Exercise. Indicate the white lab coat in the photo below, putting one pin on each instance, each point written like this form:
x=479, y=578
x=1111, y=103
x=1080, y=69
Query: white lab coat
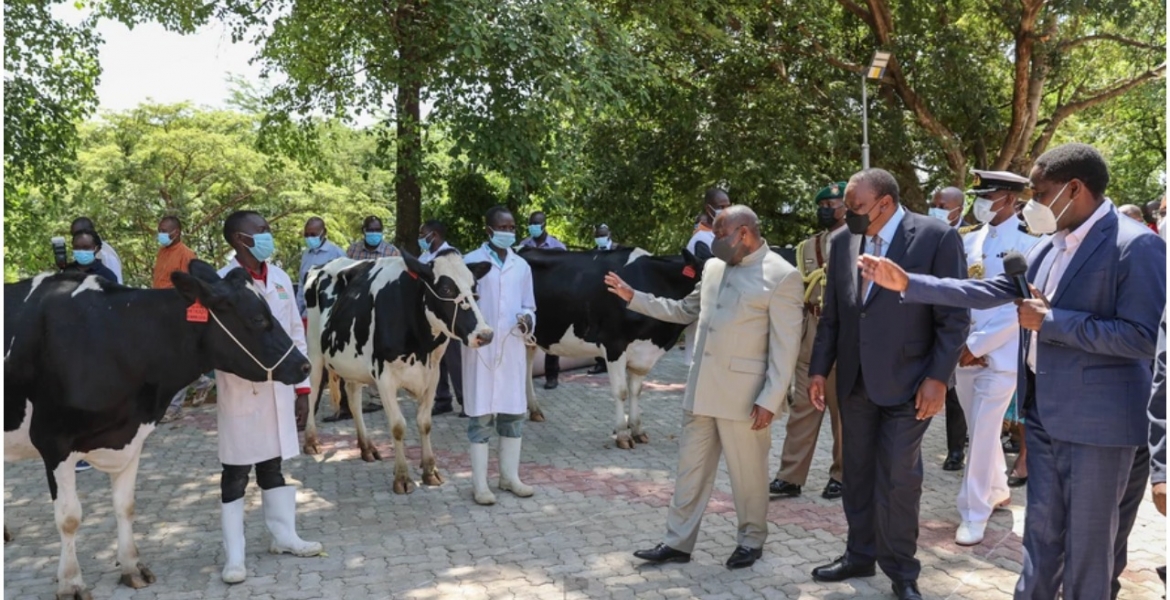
x=257, y=420
x=494, y=375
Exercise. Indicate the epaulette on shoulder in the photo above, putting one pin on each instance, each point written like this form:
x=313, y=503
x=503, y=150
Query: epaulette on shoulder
x=969, y=228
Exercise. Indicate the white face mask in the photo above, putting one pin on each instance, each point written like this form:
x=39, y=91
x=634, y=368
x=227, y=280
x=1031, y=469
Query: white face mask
x=1040, y=218
x=941, y=214
x=983, y=211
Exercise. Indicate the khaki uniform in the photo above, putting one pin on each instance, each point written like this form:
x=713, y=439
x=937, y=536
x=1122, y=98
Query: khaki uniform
x=804, y=420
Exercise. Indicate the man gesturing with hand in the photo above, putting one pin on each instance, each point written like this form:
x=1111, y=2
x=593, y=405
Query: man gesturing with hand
x=893, y=363
x=749, y=312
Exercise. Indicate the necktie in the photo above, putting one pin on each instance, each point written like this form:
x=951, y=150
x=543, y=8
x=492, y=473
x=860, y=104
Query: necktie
x=876, y=242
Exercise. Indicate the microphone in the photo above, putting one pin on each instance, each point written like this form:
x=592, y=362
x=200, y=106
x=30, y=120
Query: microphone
x=1016, y=267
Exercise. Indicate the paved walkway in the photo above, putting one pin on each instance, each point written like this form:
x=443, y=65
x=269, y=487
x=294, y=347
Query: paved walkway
x=594, y=505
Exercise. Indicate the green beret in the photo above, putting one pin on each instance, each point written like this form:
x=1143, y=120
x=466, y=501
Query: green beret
x=831, y=192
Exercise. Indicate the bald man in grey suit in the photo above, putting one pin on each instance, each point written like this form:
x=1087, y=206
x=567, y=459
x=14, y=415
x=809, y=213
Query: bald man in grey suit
x=749, y=312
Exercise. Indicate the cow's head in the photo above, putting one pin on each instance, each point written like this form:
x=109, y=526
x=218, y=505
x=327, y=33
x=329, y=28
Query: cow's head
x=242, y=336
x=450, y=296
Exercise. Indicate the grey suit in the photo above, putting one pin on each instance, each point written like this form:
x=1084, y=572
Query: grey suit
x=884, y=350
x=749, y=320
x=1086, y=403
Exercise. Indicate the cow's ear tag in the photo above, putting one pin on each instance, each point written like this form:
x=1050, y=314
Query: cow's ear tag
x=196, y=313
x=689, y=271
x=412, y=274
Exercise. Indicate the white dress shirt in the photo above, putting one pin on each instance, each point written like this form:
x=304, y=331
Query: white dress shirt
x=886, y=235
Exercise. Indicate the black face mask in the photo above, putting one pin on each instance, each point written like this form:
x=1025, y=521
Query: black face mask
x=857, y=224
x=826, y=217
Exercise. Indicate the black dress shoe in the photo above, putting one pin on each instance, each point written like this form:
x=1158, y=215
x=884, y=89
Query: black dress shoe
x=832, y=490
x=783, y=488
x=954, y=461
x=341, y=415
x=663, y=554
x=1015, y=482
x=842, y=569
x=744, y=557
x=907, y=590
x=551, y=385
x=442, y=407
x=597, y=369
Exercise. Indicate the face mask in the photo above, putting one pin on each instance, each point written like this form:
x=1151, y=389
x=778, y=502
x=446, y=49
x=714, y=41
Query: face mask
x=725, y=251
x=602, y=242
x=857, y=224
x=262, y=246
x=983, y=211
x=424, y=244
x=313, y=242
x=164, y=239
x=373, y=238
x=941, y=214
x=503, y=239
x=1040, y=218
x=83, y=257
x=534, y=230
x=826, y=217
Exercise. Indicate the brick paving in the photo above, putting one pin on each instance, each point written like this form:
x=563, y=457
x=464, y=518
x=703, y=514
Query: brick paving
x=593, y=506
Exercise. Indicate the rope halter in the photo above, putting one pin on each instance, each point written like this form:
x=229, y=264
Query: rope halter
x=268, y=370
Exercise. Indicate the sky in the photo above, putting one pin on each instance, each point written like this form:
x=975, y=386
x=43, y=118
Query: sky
x=149, y=63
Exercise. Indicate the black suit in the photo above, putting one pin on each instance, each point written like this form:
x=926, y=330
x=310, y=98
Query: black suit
x=883, y=350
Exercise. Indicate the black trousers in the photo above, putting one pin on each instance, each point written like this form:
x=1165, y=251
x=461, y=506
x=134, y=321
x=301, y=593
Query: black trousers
x=235, y=478
x=956, y=423
x=552, y=367
x=1135, y=490
x=451, y=366
x=882, y=456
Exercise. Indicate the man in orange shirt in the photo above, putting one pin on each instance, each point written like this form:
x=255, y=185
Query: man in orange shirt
x=173, y=255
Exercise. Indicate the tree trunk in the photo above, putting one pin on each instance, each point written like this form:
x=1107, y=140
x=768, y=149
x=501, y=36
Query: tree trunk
x=408, y=144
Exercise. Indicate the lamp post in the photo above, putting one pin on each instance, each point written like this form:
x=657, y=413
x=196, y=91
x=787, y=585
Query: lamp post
x=877, y=68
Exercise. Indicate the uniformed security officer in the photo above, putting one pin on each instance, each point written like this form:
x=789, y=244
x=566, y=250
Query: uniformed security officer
x=804, y=420
x=986, y=377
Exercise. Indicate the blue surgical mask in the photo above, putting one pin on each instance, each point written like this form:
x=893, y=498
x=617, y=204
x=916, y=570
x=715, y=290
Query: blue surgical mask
x=84, y=257
x=164, y=239
x=503, y=239
x=373, y=238
x=602, y=242
x=534, y=230
x=262, y=246
x=313, y=241
x=424, y=244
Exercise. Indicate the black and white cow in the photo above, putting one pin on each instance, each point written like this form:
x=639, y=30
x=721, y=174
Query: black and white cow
x=90, y=367
x=578, y=317
x=386, y=322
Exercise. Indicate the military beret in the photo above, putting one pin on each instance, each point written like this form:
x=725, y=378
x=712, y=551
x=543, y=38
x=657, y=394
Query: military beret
x=831, y=192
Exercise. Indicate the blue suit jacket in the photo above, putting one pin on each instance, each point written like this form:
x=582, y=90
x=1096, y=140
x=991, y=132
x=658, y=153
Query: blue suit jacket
x=891, y=345
x=1093, y=364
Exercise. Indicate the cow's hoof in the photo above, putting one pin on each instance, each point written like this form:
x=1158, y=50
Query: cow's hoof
x=77, y=593
x=625, y=443
x=403, y=486
x=312, y=448
x=370, y=454
x=432, y=478
x=139, y=580
x=642, y=438
x=536, y=417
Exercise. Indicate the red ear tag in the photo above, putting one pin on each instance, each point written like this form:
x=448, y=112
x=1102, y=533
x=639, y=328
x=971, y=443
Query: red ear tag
x=412, y=274
x=689, y=271
x=196, y=313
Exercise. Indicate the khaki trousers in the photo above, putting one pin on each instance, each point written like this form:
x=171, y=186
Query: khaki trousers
x=804, y=420
x=703, y=440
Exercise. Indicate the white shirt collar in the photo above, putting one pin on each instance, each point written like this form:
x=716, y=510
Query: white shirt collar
x=891, y=226
x=1070, y=240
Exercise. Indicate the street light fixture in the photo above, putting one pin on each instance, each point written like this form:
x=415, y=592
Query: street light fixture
x=876, y=70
